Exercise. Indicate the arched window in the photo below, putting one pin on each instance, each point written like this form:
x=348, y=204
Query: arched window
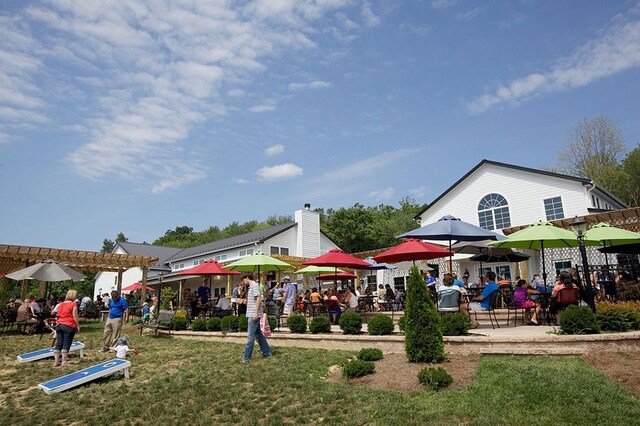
x=493, y=212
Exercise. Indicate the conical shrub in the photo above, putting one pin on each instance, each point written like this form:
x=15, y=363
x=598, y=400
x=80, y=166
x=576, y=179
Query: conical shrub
x=423, y=334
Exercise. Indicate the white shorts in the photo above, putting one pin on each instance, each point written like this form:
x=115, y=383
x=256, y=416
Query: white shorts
x=475, y=306
x=288, y=308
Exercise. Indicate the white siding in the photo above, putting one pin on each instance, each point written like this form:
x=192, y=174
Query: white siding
x=308, y=238
x=524, y=191
x=285, y=239
x=107, y=281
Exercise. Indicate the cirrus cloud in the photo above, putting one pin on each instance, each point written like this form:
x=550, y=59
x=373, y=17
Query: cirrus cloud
x=274, y=150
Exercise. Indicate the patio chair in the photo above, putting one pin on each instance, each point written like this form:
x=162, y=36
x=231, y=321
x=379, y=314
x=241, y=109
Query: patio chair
x=493, y=298
x=506, y=295
x=448, y=303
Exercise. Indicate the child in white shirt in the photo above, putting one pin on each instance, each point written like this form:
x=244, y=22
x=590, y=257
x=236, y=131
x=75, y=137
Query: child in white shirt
x=121, y=348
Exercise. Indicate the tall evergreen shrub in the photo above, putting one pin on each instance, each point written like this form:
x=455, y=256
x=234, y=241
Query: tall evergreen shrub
x=423, y=335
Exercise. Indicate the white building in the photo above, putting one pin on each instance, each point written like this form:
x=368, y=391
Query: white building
x=496, y=196
x=301, y=238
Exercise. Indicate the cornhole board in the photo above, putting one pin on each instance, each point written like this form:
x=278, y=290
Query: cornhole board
x=48, y=352
x=86, y=375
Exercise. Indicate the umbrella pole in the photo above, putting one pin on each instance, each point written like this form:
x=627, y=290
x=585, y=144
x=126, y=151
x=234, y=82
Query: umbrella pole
x=450, y=258
x=544, y=268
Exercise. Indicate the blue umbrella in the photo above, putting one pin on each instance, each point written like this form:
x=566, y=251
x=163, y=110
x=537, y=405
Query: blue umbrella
x=450, y=228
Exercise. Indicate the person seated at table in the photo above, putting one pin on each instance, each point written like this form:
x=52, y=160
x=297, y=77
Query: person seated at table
x=456, y=281
x=379, y=297
x=450, y=299
x=340, y=295
x=350, y=300
x=565, y=293
x=333, y=306
x=315, y=297
x=389, y=295
x=27, y=316
x=482, y=302
x=521, y=300
x=223, y=303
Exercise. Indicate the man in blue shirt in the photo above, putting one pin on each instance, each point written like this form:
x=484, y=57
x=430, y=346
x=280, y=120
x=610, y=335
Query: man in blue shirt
x=428, y=279
x=456, y=281
x=118, y=313
x=481, y=303
x=204, y=292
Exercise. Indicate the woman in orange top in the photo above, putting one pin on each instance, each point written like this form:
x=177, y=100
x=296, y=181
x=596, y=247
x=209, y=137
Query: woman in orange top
x=68, y=325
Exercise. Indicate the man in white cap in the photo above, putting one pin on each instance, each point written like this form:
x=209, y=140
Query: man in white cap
x=288, y=295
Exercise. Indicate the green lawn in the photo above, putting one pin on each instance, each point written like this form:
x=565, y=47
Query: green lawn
x=189, y=382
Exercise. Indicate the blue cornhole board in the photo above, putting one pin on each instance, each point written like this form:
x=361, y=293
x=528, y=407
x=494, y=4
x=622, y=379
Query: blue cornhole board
x=48, y=352
x=86, y=375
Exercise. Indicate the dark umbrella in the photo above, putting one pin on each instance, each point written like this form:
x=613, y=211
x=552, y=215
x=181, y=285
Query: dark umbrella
x=412, y=249
x=624, y=249
x=514, y=256
x=450, y=228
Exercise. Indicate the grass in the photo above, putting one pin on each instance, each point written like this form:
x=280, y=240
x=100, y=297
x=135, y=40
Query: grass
x=202, y=383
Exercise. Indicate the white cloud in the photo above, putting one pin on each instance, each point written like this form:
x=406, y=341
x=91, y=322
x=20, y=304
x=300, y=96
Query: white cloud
x=442, y=4
x=148, y=73
x=370, y=19
x=279, y=172
x=382, y=194
x=317, y=84
x=274, y=150
x=241, y=181
x=267, y=105
x=617, y=50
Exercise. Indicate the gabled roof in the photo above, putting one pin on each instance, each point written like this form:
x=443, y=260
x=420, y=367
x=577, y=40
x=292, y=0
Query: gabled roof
x=237, y=241
x=582, y=180
x=161, y=252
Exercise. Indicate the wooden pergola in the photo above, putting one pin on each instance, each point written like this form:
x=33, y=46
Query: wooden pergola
x=13, y=258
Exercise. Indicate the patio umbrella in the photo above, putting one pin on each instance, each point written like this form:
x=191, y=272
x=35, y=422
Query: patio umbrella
x=539, y=236
x=337, y=258
x=47, y=270
x=412, y=249
x=376, y=265
x=609, y=235
x=258, y=262
x=317, y=270
x=136, y=286
x=512, y=256
x=624, y=249
x=337, y=276
x=449, y=228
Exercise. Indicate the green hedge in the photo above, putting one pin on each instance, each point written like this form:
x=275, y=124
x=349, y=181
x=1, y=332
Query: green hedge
x=579, y=320
x=320, y=325
x=199, y=324
x=214, y=324
x=243, y=323
x=350, y=323
x=435, y=378
x=618, y=317
x=370, y=354
x=455, y=324
x=297, y=323
x=402, y=323
x=379, y=325
x=229, y=323
x=358, y=368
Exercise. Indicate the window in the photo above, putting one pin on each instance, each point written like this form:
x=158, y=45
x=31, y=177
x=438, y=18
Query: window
x=398, y=283
x=195, y=263
x=562, y=265
x=284, y=251
x=220, y=257
x=553, y=208
x=181, y=266
x=493, y=212
x=246, y=252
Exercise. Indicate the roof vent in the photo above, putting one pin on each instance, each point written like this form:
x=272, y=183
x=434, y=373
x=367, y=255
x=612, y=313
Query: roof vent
x=307, y=206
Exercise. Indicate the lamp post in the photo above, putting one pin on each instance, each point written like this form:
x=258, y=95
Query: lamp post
x=580, y=226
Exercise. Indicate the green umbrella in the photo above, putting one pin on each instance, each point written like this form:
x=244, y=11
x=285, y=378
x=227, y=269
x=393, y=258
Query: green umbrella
x=258, y=262
x=539, y=236
x=609, y=235
x=316, y=270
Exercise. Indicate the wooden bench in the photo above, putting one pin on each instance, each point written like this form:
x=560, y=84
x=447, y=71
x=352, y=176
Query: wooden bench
x=161, y=322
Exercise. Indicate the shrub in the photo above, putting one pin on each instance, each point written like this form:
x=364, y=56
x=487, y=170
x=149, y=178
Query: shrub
x=358, y=368
x=633, y=312
x=350, y=323
x=379, y=325
x=435, y=377
x=199, y=324
x=243, y=323
x=297, y=323
x=579, y=320
x=628, y=290
x=214, y=324
x=402, y=323
x=167, y=295
x=320, y=325
x=423, y=336
x=179, y=323
x=370, y=354
x=273, y=322
x=455, y=324
x=612, y=318
x=229, y=323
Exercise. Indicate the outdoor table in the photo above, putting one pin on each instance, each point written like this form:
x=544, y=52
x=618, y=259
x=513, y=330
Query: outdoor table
x=365, y=303
x=103, y=315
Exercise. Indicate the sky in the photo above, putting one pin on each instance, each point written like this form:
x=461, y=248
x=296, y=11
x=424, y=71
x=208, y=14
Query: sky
x=141, y=116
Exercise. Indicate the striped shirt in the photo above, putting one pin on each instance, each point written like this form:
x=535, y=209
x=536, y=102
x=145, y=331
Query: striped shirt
x=254, y=292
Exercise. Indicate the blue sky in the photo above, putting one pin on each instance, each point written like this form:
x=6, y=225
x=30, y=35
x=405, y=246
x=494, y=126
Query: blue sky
x=138, y=117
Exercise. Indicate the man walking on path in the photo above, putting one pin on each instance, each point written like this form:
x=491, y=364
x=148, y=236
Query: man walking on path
x=118, y=313
x=254, y=312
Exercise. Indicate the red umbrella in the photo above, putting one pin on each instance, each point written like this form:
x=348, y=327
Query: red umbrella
x=136, y=286
x=208, y=268
x=412, y=249
x=335, y=277
x=338, y=258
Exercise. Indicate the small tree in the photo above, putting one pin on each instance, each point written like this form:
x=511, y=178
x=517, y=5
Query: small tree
x=423, y=336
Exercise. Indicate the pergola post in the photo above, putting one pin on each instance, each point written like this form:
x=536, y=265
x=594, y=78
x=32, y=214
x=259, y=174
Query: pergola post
x=3, y=290
x=228, y=290
x=180, y=286
x=42, y=288
x=143, y=291
x=119, y=281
